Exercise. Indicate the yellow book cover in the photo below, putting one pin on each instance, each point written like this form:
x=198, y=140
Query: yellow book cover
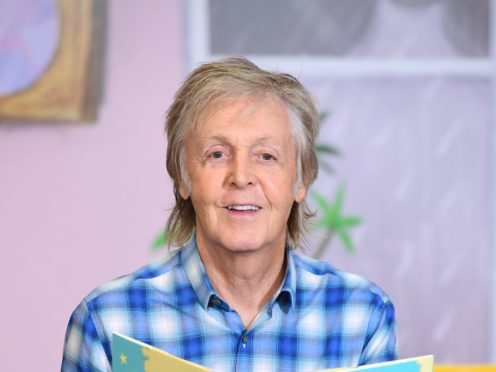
x=130, y=355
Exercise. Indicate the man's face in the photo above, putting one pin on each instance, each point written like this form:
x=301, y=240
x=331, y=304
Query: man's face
x=241, y=161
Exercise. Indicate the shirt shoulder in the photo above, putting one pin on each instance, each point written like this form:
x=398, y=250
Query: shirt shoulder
x=312, y=274
x=115, y=306
x=156, y=273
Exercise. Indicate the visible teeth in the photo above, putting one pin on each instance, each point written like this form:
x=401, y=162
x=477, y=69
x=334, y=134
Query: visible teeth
x=243, y=208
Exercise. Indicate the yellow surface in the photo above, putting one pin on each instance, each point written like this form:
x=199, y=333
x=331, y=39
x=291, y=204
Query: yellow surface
x=464, y=368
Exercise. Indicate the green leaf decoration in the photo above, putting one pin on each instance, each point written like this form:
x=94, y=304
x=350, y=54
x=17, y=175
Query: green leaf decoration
x=329, y=169
x=346, y=240
x=323, y=115
x=332, y=219
x=323, y=149
x=351, y=221
x=326, y=207
x=338, y=202
x=159, y=242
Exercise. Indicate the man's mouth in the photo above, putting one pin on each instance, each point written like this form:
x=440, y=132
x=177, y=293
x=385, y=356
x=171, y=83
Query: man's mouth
x=243, y=207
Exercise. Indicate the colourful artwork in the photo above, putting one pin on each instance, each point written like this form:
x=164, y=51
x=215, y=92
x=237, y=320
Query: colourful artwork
x=51, y=54
x=29, y=36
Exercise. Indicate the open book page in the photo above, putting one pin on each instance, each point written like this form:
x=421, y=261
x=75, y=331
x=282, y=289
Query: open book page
x=130, y=355
x=418, y=364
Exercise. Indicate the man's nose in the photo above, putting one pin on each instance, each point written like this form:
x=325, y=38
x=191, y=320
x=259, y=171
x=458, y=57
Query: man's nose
x=240, y=172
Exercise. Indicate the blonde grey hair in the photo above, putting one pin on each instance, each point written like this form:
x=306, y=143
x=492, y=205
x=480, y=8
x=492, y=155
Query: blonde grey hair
x=227, y=79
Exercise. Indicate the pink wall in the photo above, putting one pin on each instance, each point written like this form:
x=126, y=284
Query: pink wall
x=80, y=203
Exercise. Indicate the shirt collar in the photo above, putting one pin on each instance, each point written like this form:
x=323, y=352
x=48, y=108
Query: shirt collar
x=197, y=275
x=286, y=294
x=201, y=284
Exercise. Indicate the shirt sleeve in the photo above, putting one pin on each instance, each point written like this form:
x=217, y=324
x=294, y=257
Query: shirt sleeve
x=380, y=343
x=85, y=346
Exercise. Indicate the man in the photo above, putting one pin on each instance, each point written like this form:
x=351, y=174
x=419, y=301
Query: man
x=238, y=295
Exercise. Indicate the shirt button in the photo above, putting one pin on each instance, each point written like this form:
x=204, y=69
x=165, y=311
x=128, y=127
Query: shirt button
x=216, y=301
x=245, y=339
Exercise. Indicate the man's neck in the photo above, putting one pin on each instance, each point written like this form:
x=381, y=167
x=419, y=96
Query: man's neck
x=245, y=280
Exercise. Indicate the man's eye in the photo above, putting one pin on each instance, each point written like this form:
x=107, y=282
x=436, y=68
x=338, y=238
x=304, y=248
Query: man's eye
x=267, y=157
x=217, y=154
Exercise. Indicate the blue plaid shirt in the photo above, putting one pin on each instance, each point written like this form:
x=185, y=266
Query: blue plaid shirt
x=319, y=318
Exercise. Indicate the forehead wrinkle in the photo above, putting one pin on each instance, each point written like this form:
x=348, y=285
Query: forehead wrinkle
x=271, y=140
x=264, y=140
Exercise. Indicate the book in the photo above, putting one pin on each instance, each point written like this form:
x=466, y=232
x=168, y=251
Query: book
x=423, y=363
x=130, y=355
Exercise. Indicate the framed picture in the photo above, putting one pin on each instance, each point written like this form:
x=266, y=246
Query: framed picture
x=52, y=60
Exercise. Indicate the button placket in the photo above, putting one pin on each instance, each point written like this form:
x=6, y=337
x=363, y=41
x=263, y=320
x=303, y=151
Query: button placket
x=244, y=349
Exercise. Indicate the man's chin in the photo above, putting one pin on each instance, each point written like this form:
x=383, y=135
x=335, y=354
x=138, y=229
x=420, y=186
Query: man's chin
x=246, y=245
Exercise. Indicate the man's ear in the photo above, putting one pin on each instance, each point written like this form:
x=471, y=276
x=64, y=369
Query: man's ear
x=185, y=194
x=300, y=194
